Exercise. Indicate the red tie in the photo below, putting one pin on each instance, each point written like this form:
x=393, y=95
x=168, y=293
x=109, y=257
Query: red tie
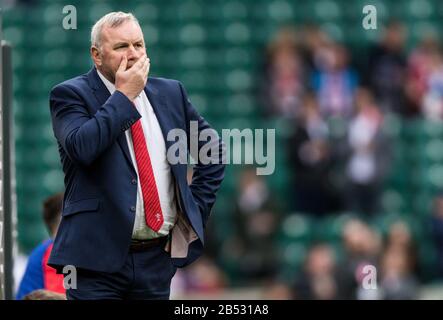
x=151, y=201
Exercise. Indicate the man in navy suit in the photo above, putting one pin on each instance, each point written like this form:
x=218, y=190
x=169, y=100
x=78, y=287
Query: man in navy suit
x=129, y=216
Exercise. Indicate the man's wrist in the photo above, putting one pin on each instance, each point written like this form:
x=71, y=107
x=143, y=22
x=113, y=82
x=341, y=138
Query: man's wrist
x=127, y=95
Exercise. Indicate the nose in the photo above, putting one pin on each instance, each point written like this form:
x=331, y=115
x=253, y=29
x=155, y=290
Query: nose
x=131, y=53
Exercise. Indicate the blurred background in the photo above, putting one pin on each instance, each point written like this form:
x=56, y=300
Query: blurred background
x=359, y=136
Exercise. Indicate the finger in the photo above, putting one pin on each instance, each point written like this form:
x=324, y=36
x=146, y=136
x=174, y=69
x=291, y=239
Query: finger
x=146, y=65
x=145, y=68
x=147, y=71
x=142, y=68
x=140, y=62
x=123, y=64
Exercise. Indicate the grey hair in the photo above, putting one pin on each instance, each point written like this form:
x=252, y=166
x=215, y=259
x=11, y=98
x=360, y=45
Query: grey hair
x=112, y=19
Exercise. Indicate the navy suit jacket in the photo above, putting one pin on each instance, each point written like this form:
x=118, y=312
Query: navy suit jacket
x=100, y=180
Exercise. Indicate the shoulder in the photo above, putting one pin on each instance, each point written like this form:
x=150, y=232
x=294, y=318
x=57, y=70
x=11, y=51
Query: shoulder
x=76, y=84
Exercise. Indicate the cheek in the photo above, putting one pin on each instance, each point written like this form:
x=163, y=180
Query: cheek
x=139, y=53
x=113, y=61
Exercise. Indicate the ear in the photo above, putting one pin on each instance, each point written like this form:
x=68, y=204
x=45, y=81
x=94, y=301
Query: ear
x=96, y=56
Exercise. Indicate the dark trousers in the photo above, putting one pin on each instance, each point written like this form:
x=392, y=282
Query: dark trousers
x=145, y=275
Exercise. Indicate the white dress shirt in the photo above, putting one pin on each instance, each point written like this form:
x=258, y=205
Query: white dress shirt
x=160, y=166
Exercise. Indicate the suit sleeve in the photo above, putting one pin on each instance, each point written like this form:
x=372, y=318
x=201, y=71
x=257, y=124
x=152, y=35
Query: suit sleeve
x=85, y=137
x=207, y=178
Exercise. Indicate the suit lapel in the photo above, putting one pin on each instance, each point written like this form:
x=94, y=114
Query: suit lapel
x=102, y=94
x=156, y=100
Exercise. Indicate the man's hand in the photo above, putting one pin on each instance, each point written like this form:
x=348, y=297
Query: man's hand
x=42, y=294
x=132, y=81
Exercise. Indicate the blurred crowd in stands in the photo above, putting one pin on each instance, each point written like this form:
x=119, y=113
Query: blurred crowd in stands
x=308, y=79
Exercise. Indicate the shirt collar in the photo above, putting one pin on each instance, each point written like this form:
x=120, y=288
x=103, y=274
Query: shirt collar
x=109, y=85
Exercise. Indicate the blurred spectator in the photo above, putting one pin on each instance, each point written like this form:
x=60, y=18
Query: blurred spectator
x=310, y=160
x=398, y=280
x=277, y=290
x=362, y=247
x=432, y=103
x=313, y=43
x=335, y=82
x=38, y=274
x=204, y=276
x=283, y=81
x=419, y=69
x=253, y=192
x=400, y=238
x=368, y=155
x=386, y=69
x=256, y=219
x=318, y=280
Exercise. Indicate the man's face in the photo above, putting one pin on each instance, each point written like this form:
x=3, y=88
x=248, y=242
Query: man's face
x=124, y=40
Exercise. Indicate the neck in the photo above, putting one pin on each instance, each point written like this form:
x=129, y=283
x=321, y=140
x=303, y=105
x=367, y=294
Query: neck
x=109, y=77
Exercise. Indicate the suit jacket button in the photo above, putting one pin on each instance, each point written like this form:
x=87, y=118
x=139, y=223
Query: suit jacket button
x=134, y=181
x=133, y=209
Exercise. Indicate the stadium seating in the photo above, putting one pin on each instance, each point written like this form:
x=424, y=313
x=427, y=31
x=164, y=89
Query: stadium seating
x=215, y=48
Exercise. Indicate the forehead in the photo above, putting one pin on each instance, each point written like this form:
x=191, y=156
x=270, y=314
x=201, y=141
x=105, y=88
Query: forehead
x=128, y=31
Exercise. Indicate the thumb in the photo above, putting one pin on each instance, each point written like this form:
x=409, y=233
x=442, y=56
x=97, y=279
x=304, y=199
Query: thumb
x=123, y=64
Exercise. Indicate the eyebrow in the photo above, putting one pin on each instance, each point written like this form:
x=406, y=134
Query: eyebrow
x=118, y=44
